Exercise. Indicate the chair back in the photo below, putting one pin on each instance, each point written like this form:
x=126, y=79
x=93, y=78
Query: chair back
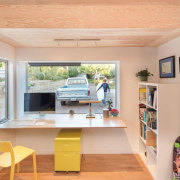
x=6, y=146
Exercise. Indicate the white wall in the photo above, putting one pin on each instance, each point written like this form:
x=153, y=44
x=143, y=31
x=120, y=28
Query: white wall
x=172, y=130
x=7, y=51
x=172, y=48
x=101, y=140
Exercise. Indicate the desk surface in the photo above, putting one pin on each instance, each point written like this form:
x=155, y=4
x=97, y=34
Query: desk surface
x=63, y=121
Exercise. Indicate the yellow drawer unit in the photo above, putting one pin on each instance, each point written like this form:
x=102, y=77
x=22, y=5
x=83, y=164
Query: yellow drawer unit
x=68, y=150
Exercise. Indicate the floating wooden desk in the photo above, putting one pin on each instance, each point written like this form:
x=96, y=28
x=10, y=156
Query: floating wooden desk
x=53, y=121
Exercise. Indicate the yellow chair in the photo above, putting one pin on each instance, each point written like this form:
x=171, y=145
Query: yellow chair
x=13, y=156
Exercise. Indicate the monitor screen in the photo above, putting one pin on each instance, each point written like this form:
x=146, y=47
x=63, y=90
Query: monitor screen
x=39, y=102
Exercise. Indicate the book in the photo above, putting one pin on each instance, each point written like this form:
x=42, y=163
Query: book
x=144, y=132
x=142, y=94
x=151, y=97
x=152, y=119
x=142, y=111
x=155, y=99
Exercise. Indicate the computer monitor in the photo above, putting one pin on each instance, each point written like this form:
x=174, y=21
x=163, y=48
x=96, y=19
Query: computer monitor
x=39, y=102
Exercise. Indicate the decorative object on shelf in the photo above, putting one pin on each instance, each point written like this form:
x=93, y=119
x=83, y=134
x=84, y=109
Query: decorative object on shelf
x=167, y=67
x=114, y=112
x=71, y=112
x=109, y=102
x=105, y=113
x=144, y=74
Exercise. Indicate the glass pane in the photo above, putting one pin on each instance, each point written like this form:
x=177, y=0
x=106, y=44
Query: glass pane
x=2, y=90
x=74, y=83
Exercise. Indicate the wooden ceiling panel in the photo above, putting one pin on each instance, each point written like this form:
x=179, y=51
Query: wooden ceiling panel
x=27, y=37
x=82, y=15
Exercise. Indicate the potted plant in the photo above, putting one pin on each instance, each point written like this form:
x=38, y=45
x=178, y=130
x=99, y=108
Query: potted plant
x=144, y=74
x=114, y=112
x=109, y=102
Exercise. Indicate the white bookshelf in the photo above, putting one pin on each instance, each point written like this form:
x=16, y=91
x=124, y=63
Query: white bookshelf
x=156, y=149
x=148, y=135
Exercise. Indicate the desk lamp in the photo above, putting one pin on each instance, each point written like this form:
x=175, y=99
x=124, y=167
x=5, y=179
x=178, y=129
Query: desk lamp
x=90, y=115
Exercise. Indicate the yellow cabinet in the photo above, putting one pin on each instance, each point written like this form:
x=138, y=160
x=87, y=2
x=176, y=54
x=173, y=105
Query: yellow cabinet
x=67, y=150
x=67, y=161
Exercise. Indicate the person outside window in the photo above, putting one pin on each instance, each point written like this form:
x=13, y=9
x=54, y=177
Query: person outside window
x=106, y=88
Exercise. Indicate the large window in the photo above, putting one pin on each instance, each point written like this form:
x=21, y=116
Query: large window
x=3, y=90
x=72, y=82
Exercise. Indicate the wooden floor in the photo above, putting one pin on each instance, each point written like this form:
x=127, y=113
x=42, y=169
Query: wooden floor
x=94, y=167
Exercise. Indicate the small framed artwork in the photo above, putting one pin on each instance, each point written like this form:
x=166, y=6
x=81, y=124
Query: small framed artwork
x=167, y=67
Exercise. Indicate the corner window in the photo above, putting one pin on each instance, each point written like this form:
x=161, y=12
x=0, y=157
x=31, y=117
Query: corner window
x=73, y=82
x=3, y=91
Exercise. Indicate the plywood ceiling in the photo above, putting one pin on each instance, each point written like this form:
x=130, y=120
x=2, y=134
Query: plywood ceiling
x=127, y=23
x=27, y=37
x=90, y=13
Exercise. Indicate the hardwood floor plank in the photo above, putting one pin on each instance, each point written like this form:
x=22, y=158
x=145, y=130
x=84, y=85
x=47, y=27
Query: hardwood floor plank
x=94, y=167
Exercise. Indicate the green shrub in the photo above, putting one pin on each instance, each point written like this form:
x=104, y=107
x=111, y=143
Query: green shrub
x=112, y=73
x=39, y=76
x=73, y=72
x=56, y=78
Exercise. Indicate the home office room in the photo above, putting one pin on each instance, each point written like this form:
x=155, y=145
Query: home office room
x=89, y=97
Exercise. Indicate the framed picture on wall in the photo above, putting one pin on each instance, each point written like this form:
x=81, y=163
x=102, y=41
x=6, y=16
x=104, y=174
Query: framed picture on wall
x=167, y=67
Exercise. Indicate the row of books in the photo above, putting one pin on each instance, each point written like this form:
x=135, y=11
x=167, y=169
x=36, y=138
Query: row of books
x=149, y=116
x=142, y=113
x=152, y=119
x=142, y=94
x=152, y=97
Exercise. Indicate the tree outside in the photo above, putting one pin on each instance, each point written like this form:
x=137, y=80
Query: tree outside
x=54, y=76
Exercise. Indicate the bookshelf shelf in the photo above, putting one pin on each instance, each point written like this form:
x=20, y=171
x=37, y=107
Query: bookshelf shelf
x=151, y=149
x=143, y=140
x=148, y=106
x=153, y=130
x=143, y=122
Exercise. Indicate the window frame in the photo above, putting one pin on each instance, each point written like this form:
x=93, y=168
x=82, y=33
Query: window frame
x=71, y=63
x=6, y=91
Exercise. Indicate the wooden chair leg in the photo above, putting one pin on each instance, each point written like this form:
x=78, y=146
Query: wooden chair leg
x=34, y=166
x=18, y=167
x=12, y=173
